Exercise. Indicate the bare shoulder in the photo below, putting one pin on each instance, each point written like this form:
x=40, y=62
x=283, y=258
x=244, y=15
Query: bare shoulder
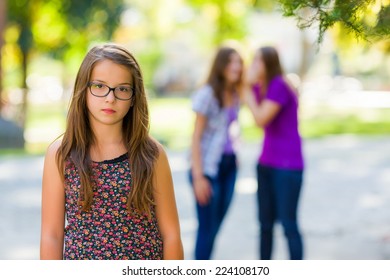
x=52, y=178
x=161, y=163
x=160, y=147
x=52, y=149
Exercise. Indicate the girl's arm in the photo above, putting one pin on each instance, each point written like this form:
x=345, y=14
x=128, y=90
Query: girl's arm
x=202, y=188
x=264, y=112
x=53, y=208
x=166, y=210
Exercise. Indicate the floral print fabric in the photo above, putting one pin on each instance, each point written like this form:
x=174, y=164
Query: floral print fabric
x=108, y=230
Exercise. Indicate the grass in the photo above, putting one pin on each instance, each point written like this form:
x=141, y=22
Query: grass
x=359, y=122
x=172, y=124
x=171, y=121
x=44, y=123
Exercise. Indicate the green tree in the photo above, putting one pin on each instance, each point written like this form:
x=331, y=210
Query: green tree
x=228, y=16
x=3, y=7
x=367, y=19
x=60, y=28
x=230, y=21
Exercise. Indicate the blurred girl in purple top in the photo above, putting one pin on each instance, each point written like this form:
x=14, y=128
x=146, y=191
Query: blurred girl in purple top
x=274, y=105
x=213, y=151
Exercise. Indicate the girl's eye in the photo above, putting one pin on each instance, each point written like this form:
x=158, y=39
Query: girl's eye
x=98, y=85
x=124, y=89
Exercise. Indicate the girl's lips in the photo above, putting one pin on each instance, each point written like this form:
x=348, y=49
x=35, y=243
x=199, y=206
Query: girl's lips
x=108, y=111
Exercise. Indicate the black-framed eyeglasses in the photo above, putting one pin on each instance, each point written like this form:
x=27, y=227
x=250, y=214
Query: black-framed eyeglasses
x=123, y=92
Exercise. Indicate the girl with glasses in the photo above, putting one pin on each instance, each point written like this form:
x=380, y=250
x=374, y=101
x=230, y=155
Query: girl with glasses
x=107, y=189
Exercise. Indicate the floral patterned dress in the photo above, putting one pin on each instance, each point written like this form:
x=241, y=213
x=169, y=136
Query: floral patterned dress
x=108, y=230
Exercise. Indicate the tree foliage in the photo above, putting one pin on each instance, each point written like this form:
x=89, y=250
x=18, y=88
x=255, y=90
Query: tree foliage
x=60, y=28
x=55, y=26
x=227, y=15
x=366, y=19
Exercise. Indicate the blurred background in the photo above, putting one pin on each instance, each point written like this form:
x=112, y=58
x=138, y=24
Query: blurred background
x=336, y=53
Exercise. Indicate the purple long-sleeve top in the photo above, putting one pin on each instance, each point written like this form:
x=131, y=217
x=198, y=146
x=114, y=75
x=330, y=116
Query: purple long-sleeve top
x=282, y=146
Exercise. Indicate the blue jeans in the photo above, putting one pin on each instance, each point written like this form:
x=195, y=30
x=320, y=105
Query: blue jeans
x=210, y=216
x=277, y=196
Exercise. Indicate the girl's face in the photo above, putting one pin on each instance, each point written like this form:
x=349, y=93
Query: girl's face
x=258, y=67
x=108, y=110
x=233, y=70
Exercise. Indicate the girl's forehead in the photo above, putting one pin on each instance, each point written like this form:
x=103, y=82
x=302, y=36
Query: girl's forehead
x=112, y=74
x=110, y=69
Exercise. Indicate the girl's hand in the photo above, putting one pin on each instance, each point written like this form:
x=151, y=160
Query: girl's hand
x=202, y=190
x=249, y=97
x=251, y=78
x=252, y=75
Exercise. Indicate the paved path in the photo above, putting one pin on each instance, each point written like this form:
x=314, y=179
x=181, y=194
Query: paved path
x=344, y=211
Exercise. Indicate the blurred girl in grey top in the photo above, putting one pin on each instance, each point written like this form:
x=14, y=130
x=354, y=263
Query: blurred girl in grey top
x=213, y=150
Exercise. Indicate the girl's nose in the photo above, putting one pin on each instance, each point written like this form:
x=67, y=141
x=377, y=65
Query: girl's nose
x=110, y=96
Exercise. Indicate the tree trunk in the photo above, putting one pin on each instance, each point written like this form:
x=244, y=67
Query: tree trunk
x=23, y=111
x=306, y=47
x=3, y=6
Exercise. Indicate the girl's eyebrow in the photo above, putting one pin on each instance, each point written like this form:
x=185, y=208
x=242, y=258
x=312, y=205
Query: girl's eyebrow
x=103, y=82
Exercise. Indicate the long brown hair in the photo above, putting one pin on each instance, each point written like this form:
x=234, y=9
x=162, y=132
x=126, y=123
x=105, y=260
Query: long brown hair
x=271, y=62
x=78, y=136
x=274, y=68
x=216, y=78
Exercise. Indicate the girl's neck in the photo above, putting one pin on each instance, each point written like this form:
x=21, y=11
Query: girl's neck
x=108, y=143
x=230, y=87
x=228, y=97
